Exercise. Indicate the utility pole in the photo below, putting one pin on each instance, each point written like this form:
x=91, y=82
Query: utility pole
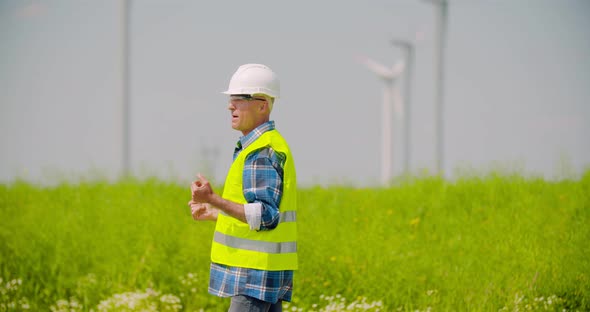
x=125, y=84
x=441, y=25
x=407, y=116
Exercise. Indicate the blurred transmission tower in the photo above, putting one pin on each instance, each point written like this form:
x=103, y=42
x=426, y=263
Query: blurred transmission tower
x=408, y=48
x=125, y=83
x=441, y=25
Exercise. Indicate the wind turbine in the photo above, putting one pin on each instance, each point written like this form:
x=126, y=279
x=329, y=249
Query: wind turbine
x=392, y=101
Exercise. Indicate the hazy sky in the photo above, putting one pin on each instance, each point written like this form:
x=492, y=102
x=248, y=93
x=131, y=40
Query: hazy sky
x=517, y=85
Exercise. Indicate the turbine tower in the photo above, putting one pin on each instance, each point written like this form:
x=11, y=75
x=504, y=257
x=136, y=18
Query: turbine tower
x=392, y=102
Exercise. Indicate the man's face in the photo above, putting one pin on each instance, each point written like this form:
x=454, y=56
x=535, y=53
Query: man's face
x=247, y=113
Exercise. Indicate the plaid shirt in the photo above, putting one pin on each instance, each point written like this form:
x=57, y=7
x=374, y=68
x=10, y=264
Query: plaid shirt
x=262, y=183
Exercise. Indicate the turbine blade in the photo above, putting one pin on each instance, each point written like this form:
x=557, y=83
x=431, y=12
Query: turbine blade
x=375, y=67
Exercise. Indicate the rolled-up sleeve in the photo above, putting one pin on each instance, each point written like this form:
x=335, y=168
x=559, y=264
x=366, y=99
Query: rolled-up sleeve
x=263, y=188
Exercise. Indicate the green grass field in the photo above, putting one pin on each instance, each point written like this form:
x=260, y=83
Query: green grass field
x=489, y=243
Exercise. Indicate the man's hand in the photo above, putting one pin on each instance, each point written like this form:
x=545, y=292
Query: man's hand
x=202, y=193
x=201, y=189
x=202, y=211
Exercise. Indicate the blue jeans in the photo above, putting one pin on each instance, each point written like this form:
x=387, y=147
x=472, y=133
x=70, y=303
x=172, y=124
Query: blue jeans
x=248, y=304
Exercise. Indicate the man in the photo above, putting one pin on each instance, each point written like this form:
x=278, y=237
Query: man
x=254, y=249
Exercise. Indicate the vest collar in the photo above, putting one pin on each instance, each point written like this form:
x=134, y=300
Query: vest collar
x=255, y=134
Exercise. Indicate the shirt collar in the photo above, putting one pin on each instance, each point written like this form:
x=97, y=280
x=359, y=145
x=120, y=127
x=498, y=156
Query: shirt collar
x=255, y=134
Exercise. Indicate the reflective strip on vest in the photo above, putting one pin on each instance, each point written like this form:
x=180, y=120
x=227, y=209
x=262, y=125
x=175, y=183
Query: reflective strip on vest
x=255, y=245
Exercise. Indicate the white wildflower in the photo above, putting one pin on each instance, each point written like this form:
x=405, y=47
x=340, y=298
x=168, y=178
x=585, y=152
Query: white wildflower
x=64, y=305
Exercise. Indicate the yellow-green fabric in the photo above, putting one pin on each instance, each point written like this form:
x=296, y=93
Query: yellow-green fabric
x=234, y=244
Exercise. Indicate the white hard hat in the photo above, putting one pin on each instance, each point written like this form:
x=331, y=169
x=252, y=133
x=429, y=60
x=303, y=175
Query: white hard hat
x=254, y=79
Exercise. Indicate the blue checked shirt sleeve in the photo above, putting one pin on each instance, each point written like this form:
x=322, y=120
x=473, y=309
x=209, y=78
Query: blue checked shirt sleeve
x=263, y=183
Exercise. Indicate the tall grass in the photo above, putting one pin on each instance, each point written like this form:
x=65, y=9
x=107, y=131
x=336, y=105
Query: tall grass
x=478, y=244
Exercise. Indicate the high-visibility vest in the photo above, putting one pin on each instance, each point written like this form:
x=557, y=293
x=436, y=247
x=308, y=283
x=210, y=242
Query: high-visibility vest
x=234, y=243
